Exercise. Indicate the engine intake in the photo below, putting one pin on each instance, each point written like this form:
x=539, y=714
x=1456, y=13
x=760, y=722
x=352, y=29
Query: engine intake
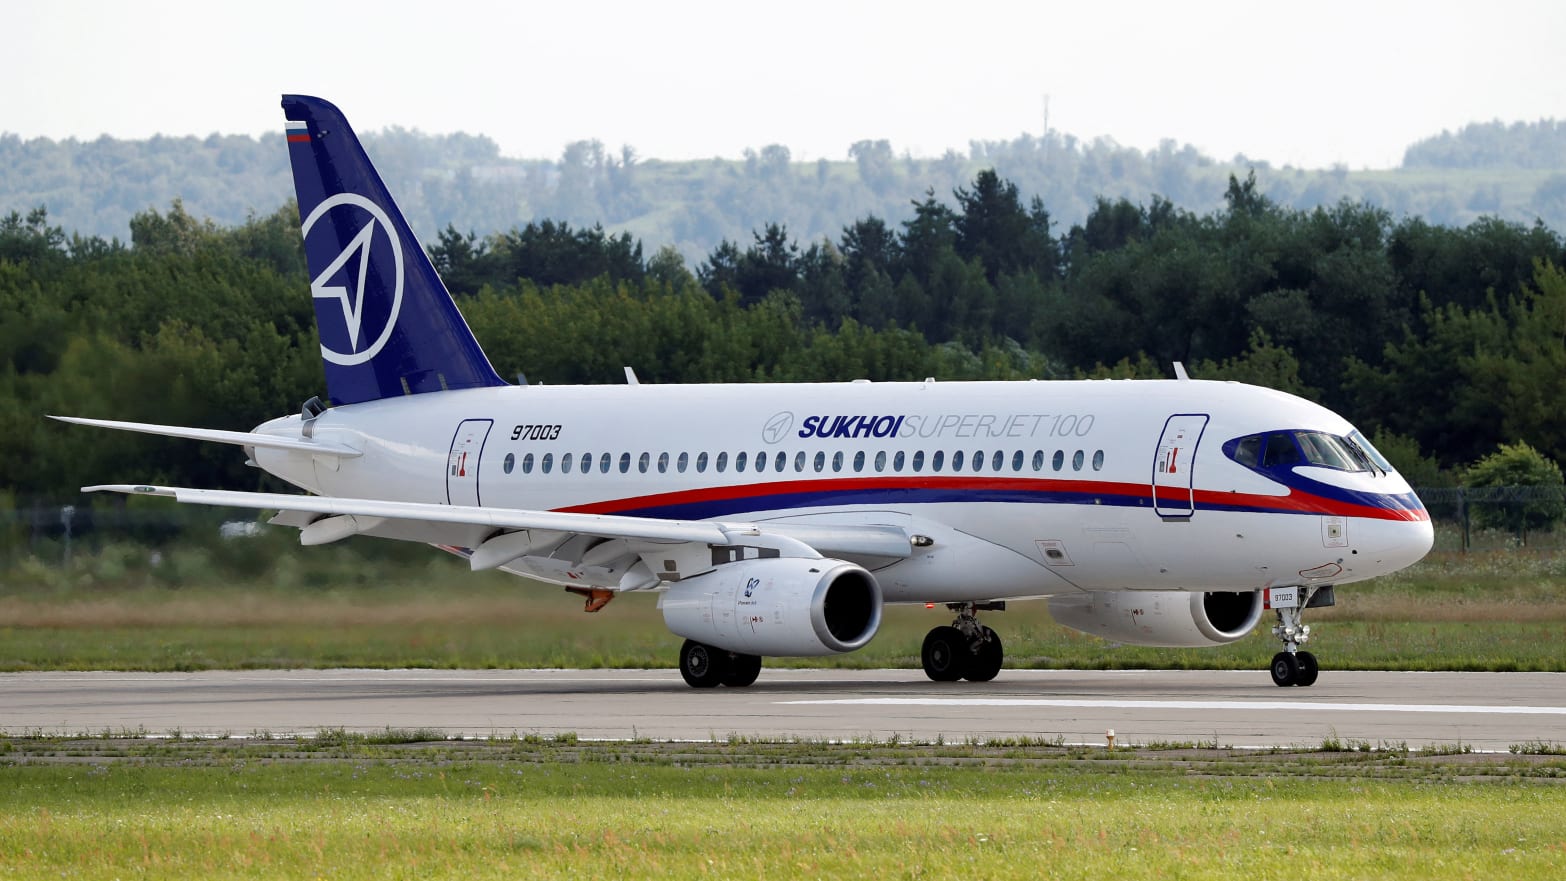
x=780, y=606
x=1167, y=619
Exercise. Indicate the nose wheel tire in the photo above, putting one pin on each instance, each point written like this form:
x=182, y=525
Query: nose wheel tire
x=1299, y=668
x=1308, y=668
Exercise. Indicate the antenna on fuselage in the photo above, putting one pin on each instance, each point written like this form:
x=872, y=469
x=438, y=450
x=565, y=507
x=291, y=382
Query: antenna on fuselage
x=630, y=376
x=1180, y=373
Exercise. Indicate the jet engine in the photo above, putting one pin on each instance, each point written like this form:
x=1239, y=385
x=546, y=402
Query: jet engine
x=777, y=606
x=1170, y=619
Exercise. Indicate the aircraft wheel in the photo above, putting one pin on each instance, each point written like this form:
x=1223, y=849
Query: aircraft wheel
x=703, y=666
x=1308, y=668
x=1285, y=670
x=743, y=670
x=945, y=654
x=983, y=666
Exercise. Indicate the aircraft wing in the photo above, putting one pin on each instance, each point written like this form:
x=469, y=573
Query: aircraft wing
x=492, y=537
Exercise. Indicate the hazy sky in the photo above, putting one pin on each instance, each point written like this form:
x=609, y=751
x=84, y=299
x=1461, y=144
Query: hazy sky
x=1306, y=84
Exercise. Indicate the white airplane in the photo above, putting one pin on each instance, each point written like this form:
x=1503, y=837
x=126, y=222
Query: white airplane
x=779, y=519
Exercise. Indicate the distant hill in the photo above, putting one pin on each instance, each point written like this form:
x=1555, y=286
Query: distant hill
x=1516, y=172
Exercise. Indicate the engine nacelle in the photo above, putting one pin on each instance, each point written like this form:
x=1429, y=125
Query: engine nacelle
x=1168, y=619
x=777, y=606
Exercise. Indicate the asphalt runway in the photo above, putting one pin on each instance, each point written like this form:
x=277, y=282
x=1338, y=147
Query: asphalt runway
x=1485, y=711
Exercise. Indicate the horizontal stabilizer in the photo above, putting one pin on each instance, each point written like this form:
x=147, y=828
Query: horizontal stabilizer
x=242, y=438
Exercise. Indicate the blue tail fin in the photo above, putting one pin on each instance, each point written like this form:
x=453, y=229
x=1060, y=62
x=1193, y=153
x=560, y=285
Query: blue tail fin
x=388, y=327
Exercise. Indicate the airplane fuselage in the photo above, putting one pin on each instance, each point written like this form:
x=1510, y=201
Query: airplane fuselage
x=1025, y=489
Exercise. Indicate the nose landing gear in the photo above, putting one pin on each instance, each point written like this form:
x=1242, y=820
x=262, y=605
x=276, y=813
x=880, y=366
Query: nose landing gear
x=1293, y=666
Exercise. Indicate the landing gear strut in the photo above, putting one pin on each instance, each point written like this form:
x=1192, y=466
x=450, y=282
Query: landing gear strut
x=705, y=666
x=966, y=649
x=1293, y=666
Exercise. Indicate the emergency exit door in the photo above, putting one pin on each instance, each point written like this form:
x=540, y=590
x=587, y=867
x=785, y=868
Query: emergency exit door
x=462, y=467
x=1174, y=478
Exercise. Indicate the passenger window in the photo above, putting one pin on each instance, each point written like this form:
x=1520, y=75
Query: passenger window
x=547, y=463
x=799, y=461
x=761, y=462
x=641, y=464
x=625, y=463
x=779, y=462
x=1038, y=460
x=1076, y=461
x=603, y=463
x=897, y=461
x=740, y=459
x=978, y=461
x=509, y=463
x=684, y=460
x=820, y=461
x=1098, y=460
x=565, y=464
x=937, y=459
x=859, y=461
x=1016, y=461
x=701, y=463
x=587, y=463
x=957, y=461
x=723, y=462
x=663, y=463
x=918, y=461
x=997, y=461
x=880, y=461
x=837, y=461
x=1059, y=461
x=527, y=464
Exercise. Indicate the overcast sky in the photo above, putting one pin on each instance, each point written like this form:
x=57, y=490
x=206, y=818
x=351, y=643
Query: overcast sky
x=1304, y=84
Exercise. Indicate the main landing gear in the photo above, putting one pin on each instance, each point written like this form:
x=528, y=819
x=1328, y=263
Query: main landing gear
x=966, y=649
x=1293, y=666
x=705, y=666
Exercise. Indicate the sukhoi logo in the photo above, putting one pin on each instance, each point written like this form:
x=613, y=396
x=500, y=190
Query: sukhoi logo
x=363, y=256
x=777, y=427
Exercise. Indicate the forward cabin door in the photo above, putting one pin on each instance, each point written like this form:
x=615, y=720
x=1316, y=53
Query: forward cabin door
x=1174, y=486
x=462, y=466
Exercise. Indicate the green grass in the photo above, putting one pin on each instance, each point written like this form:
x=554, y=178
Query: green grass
x=533, y=809
x=326, y=607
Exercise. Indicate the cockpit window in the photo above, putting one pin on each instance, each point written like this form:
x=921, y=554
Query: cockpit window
x=1330, y=451
x=1364, y=445
x=1282, y=449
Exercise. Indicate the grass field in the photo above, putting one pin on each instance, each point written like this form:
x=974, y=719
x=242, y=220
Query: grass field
x=326, y=607
x=347, y=807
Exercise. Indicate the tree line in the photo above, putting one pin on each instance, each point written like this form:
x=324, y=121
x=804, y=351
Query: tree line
x=1442, y=342
x=95, y=187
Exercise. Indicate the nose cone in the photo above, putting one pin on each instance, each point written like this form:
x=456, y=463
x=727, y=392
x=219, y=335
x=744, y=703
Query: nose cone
x=1385, y=546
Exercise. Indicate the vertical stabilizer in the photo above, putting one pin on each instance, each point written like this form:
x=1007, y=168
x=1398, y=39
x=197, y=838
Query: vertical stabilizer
x=388, y=326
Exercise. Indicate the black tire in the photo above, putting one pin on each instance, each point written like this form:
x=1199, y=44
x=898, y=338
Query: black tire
x=702, y=665
x=1308, y=668
x=1285, y=670
x=945, y=654
x=743, y=670
x=983, y=666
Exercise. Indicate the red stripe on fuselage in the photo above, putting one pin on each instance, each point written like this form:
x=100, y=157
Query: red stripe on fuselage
x=1296, y=502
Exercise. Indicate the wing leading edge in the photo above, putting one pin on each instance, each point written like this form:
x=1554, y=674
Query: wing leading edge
x=493, y=536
